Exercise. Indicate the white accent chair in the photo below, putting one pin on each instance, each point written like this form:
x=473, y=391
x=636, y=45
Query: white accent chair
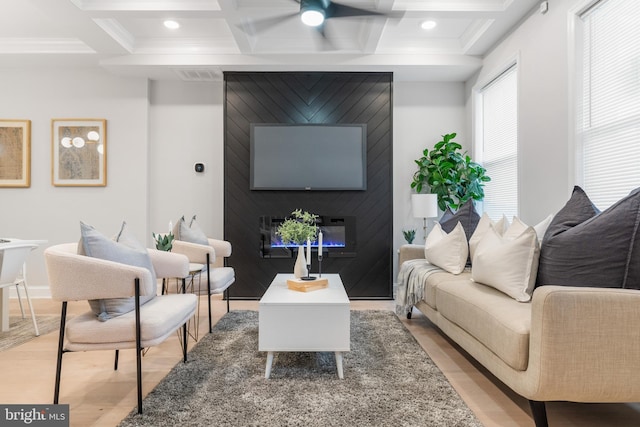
x=219, y=277
x=74, y=277
x=13, y=255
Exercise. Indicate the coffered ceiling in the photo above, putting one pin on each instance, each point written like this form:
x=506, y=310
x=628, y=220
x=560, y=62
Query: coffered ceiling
x=128, y=37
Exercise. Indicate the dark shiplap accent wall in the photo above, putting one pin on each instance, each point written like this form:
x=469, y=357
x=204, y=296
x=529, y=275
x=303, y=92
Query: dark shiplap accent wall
x=310, y=98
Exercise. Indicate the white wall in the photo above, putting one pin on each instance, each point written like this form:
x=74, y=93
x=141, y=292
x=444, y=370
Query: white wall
x=156, y=131
x=422, y=113
x=546, y=153
x=53, y=213
x=186, y=127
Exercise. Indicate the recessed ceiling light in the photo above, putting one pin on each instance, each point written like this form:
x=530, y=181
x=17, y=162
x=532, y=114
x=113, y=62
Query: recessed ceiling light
x=428, y=25
x=172, y=25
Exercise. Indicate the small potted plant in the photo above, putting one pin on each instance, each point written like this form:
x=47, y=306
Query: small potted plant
x=409, y=235
x=164, y=242
x=296, y=230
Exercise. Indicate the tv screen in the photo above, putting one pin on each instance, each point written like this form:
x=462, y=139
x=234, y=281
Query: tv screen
x=308, y=157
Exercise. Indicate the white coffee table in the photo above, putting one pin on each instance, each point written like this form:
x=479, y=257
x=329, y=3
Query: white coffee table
x=304, y=321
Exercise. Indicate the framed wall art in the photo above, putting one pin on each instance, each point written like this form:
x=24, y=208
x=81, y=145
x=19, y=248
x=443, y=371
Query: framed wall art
x=15, y=153
x=79, y=152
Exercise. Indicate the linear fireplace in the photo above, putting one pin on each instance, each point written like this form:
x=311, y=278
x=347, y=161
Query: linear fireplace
x=339, y=237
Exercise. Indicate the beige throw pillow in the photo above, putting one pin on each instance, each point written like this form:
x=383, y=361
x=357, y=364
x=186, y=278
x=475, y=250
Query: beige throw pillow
x=448, y=251
x=508, y=264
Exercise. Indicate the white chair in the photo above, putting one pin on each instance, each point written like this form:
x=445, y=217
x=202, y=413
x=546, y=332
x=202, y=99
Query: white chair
x=219, y=277
x=74, y=277
x=12, y=272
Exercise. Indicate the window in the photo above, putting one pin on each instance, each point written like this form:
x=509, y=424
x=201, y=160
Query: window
x=608, y=125
x=498, y=144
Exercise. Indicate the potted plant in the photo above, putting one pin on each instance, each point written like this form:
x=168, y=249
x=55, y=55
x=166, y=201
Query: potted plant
x=409, y=235
x=299, y=228
x=450, y=174
x=164, y=242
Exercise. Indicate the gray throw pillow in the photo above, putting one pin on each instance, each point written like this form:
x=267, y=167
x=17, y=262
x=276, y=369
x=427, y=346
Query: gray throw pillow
x=190, y=233
x=465, y=215
x=124, y=249
x=583, y=247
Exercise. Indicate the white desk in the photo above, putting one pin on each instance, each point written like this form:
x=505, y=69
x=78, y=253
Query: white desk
x=304, y=321
x=4, y=291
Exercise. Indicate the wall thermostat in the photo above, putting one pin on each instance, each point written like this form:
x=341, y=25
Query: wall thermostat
x=199, y=167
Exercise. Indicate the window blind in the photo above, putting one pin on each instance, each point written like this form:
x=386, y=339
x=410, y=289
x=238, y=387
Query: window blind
x=608, y=128
x=499, y=137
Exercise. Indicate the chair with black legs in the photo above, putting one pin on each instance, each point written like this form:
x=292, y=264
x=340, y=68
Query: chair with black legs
x=152, y=319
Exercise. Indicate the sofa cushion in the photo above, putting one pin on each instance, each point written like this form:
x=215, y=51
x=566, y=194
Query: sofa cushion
x=508, y=264
x=497, y=321
x=465, y=215
x=584, y=248
x=448, y=251
x=436, y=279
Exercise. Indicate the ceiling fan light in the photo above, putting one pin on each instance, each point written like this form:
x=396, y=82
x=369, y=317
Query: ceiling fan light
x=312, y=17
x=428, y=25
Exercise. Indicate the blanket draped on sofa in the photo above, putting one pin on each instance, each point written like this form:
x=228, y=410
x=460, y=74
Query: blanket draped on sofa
x=411, y=279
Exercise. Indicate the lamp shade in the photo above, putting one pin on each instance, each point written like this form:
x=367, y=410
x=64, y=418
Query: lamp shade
x=424, y=205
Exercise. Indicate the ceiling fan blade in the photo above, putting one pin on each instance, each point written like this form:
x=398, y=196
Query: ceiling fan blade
x=261, y=25
x=339, y=10
x=325, y=42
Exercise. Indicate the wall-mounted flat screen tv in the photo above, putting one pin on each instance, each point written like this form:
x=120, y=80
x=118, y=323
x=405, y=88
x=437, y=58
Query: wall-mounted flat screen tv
x=308, y=156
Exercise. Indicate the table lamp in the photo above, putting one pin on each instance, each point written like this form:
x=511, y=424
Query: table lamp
x=424, y=206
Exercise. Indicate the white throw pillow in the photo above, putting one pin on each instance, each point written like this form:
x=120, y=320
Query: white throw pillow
x=508, y=265
x=447, y=251
x=485, y=222
x=517, y=227
x=542, y=226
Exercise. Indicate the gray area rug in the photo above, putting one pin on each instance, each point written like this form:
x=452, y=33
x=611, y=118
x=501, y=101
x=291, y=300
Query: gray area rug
x=21, y=330
x=388, y=381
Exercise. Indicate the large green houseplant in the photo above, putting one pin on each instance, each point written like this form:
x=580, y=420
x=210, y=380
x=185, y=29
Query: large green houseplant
x=449, y=173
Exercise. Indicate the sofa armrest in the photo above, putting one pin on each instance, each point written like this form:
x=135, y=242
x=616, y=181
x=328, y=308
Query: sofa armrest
x=584, y=344
x=408, y=252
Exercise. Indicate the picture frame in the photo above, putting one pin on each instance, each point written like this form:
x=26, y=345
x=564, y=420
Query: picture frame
x=15, y=153
x=79, y=152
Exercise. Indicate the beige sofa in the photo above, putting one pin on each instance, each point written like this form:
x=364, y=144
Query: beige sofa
x=568, y=344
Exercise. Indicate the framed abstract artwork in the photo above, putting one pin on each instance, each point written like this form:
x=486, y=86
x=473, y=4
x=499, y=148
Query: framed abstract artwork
x=79, y=152
x=15, y=153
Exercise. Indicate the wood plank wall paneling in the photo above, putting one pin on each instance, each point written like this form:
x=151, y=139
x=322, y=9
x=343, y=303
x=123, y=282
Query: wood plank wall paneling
x=310, y=98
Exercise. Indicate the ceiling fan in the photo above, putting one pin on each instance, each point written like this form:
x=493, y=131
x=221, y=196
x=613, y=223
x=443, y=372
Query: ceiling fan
x=315, y=13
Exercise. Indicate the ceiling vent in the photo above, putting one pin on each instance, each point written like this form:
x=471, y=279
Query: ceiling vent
x=199, y=74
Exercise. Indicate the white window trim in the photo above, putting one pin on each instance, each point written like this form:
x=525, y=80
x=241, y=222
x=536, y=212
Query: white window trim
x=574, y=28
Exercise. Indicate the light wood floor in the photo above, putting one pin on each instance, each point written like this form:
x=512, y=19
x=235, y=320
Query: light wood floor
x=100, y=396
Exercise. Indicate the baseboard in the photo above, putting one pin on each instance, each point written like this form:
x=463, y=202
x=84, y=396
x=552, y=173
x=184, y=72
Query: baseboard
x=35, y=292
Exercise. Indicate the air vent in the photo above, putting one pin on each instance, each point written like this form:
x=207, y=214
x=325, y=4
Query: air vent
x=199, y=74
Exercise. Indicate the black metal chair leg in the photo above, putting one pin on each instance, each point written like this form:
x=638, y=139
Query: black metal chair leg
x=209, y=292
x=63, y=319
x=138, y=346
x=115, y=363
x=184, y=342
x=226, y=294
x=410, y=313
x=539, y=412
